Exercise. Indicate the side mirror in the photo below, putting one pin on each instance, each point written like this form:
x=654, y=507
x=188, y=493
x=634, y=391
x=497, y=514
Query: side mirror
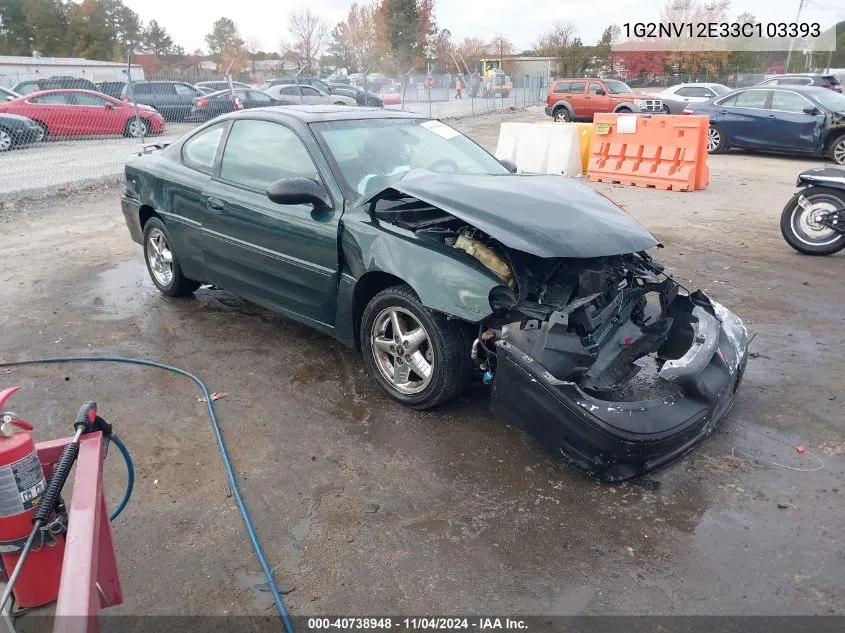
x=509, y=164
x=298, y=190
x=601, y=92
x=811, y=110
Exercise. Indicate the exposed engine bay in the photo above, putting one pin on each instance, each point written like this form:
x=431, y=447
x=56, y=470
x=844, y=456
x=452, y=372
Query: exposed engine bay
x=583, y=320
x=567, y=337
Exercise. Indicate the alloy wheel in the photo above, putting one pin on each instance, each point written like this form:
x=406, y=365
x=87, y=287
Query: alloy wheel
x=5, y=141
x=714, y=138
x=402, y=350
x=160, y=257
x=137, y=128
x=839, y=152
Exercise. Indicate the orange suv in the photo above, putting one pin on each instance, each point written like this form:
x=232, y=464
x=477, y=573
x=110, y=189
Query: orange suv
x=580, y=99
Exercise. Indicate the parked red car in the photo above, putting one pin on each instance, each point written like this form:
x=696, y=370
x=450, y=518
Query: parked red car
x=83, y=113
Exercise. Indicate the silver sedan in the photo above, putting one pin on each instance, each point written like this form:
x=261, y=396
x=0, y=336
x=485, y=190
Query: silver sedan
x=676, y=98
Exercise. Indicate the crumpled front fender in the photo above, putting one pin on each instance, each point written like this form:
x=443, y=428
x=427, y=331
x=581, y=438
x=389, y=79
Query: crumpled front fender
x=445, y=279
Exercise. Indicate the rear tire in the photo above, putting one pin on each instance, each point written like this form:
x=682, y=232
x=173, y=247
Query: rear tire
x=800, y=228
x=562, y=115
x=6, y=140
x=445, y=349
x=163, y=263
x=715, y=140
x=45, y=133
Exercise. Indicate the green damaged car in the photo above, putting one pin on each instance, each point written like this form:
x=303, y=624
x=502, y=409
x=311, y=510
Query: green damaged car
x=399, y=236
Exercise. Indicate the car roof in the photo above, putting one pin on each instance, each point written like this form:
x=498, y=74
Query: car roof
x=319, y=113
x=162, y=81
x=807, y=89
x=65, y=90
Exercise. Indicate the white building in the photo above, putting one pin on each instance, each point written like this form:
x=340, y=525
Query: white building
x=17, y=69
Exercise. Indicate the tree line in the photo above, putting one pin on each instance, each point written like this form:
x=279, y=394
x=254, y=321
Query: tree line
x=391, y=36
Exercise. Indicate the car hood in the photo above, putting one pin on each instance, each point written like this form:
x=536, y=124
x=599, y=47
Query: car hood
x=543, y=215
x=17, y=118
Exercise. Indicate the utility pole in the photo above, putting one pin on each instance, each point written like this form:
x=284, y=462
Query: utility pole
x=792, y=41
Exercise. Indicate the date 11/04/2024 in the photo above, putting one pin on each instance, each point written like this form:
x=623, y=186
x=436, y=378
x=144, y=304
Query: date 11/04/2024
x=417, y=624
x=714, y=30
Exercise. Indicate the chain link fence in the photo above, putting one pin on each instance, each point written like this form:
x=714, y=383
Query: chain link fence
x=68, y=132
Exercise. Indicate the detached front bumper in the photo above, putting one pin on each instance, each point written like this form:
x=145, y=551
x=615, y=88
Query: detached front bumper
x=616, y=441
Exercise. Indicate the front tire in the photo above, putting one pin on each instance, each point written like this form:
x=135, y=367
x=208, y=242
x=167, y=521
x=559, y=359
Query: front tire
x=163, y=263
x=799, y=225
x=419, y=357
x=715, y=140
x=137, y=127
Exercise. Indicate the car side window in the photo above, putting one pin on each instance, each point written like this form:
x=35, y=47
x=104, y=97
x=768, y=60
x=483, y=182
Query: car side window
x=25, y=89
x=694, y=91
x=184, y=91
x=562, y=87
x=755, y=99
x=199, y=150
x=308, y=91
x=164, y=89
x=53, y=99
x=258, y=96
x=88, y=100
x=789, y=102
x=143, y=89
x=594, y=88
x=258, y=153
x=577, y=87
x=289, y=90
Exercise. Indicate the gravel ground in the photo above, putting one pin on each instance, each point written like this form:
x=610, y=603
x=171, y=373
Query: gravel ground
x=367, y=507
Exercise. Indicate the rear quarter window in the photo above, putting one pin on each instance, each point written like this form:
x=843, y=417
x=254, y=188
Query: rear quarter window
x=200, y=150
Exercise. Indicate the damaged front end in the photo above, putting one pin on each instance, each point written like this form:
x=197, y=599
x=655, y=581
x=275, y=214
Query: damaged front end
x=603, y=358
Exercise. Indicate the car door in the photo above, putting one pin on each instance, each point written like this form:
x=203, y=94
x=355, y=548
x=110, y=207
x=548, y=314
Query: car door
x=745, y=117
x=54, y=110
x=694, y=94
x=284, y=257
x=596, y=99
x=312, y=96
x=577, y=94
x=186, y=209
x=184, y=99
x=793, y=128
x=94, y=115
x=288, y=93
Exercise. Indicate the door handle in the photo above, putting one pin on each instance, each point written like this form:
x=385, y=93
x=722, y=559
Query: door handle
x=214, y=205
x=772, y=116
x=723, y=111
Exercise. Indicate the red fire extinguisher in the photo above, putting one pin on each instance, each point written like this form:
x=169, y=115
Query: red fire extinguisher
x=22, y=485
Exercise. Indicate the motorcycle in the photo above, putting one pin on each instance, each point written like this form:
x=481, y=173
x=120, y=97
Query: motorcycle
x=813, y=221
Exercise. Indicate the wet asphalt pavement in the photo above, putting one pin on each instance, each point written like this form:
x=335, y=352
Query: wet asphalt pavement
x=366, y=507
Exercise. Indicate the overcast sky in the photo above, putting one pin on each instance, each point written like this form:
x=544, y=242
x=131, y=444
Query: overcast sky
x=520, y=21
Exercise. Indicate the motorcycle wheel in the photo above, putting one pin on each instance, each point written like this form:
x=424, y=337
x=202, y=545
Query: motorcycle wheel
x=800, y=226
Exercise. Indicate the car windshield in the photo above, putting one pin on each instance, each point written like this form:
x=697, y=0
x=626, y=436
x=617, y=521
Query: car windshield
x=831, y=100
x=371, y=154
x=617, y=87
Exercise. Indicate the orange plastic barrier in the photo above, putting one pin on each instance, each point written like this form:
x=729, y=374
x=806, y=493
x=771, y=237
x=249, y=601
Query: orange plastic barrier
x=662, y=151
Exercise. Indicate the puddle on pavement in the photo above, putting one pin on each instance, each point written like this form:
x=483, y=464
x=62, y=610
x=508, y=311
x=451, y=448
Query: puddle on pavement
x=120, y=293
x=258, y=585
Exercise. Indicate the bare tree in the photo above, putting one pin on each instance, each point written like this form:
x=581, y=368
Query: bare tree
x=309, y=32
x=501, y=46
